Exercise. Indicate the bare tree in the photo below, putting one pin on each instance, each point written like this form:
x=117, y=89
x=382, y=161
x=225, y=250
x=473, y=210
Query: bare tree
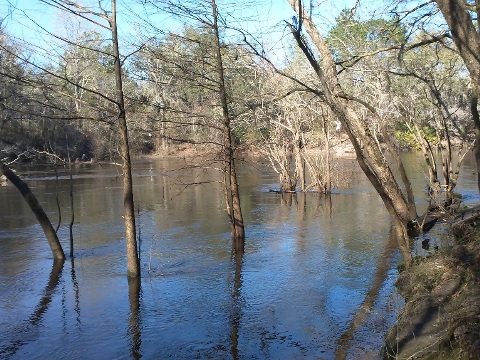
x=133, y=263
x=196, y=99
x=370, y=156
x=232, y=195
x=458, y=15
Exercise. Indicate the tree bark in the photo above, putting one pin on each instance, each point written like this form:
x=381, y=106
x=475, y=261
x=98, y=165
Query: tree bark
x=133, y=263
x=467, y=40
x=37, y=209
x=299, y=158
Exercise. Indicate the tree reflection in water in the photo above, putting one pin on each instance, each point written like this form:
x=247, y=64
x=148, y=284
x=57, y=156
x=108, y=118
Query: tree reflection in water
x=134, y=287
x=381, y=273
x=37, y=316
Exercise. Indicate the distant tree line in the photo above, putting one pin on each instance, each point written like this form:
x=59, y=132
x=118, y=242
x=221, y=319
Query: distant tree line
x=60, y=106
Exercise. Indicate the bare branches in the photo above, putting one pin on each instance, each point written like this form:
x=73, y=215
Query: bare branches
x=401, y=47
x=54, y=74
x=79, y=10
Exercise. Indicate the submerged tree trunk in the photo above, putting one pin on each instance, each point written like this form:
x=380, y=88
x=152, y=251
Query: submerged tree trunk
x=133, y=263
x=37, y=209
x=231, y=182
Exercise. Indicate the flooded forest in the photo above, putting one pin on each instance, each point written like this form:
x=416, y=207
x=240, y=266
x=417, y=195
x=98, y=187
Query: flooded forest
x=213, y=179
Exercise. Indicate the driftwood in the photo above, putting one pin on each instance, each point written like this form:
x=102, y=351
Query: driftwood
x=282, y=191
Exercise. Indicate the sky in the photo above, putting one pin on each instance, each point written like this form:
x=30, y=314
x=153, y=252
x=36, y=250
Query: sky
x=29, y=20
x=20, y=16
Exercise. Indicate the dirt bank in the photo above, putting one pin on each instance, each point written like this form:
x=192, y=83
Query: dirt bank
x=441, y=317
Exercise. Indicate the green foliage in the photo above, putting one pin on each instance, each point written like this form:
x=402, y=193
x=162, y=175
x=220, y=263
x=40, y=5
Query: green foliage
x=238, y=135
x=405, y=137
x=351, y=36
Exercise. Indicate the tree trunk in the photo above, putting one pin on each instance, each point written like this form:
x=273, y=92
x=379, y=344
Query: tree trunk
x=299, y=158
x=467, y=40
x=133, y=263
x=369, y=155
x=72, y=209
x=237, y=209
x=328, y=178
x=232, y=192
x=37, y=209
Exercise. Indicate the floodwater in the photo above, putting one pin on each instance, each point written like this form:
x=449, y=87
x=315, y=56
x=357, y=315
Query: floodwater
x=310, y=266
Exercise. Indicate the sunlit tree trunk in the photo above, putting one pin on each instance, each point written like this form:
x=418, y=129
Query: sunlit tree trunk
x=38, y=211
x=133, y=263
x=328, y=177
x=370, y=157
x=467, y=40
x=299, y=158
x=231, y=183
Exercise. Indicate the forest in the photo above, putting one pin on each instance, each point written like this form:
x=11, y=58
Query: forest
x=400, y=68
x=116, y=80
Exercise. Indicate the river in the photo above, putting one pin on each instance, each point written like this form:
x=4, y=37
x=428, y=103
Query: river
x=309, y=264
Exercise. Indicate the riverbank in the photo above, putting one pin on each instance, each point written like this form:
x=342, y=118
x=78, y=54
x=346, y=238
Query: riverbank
x=441, y=317
x=340, y=147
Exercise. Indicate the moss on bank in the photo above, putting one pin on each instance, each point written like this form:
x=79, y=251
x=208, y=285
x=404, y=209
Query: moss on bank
x=441, y=317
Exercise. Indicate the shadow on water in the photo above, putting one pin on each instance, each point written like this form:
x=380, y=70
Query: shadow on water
x=134, y=329
x=237, y=260
x=35, y=319
x=381, y=273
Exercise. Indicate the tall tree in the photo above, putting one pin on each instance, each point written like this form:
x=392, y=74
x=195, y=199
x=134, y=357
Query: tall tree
x=198, y=96
x=231, y=181
x=133, y=263
x=458, y=15
x=370, y=156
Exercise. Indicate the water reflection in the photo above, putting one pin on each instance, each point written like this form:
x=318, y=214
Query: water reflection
x=305, y=276
x=48, y=292
x=382, y=267
x=27, y=328
x=76, y=291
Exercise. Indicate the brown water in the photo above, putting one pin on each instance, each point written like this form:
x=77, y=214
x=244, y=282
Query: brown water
x=308, y=265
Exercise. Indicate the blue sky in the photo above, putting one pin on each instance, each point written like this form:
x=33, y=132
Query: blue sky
x=265, y=18
x=262, y=13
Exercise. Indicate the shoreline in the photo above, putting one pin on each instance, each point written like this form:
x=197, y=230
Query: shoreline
x=441, y=316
